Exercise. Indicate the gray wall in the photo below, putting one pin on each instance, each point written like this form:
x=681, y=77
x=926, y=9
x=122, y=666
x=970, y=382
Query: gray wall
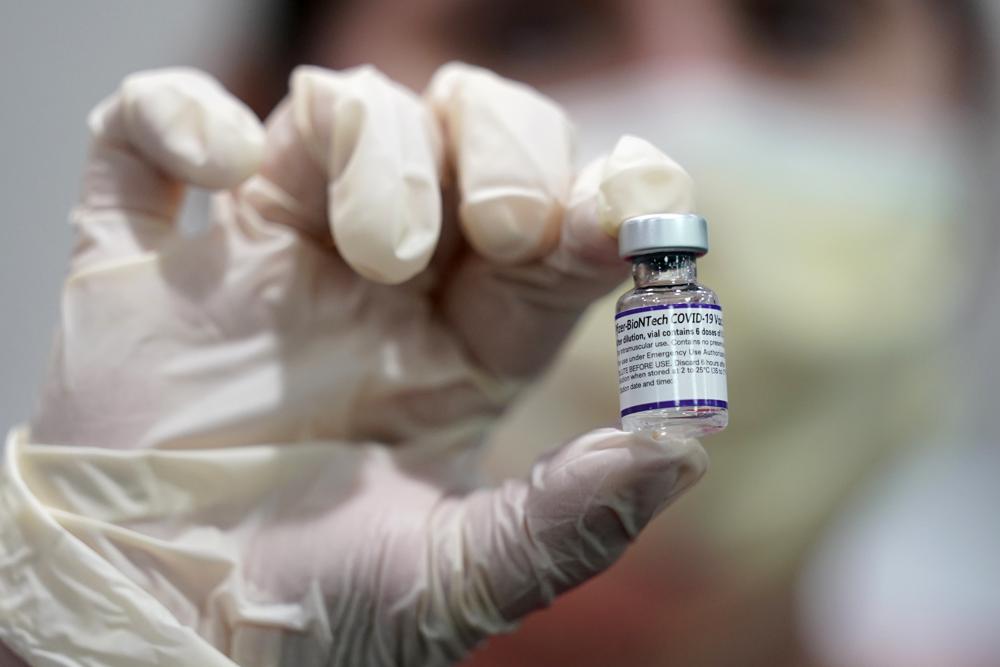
x=58, y=59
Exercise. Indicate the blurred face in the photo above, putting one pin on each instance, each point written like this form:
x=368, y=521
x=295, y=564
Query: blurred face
x=816, y=131
x=895, y=56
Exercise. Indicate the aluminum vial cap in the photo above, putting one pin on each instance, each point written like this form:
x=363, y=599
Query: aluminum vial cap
x=663, y=232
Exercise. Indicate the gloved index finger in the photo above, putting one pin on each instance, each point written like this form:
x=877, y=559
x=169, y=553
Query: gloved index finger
x=512, y=149
x=372, y=150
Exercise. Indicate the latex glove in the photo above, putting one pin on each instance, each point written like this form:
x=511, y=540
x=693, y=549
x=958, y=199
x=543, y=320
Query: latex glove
x=339, y=316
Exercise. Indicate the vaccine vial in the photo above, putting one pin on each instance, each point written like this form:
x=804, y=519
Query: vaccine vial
x=668, y=331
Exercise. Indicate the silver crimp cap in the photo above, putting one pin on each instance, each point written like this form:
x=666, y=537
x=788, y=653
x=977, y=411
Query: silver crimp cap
x=661, y=232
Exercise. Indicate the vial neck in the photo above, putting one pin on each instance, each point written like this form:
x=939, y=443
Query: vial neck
x=665, y=268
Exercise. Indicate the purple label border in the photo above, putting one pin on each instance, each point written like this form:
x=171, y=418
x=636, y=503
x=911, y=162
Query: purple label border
x=684, y=403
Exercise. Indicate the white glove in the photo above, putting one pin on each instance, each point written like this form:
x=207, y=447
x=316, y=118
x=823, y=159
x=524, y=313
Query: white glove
x=302, y=388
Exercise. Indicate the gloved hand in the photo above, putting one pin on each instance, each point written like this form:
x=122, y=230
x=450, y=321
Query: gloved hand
x=307, y=381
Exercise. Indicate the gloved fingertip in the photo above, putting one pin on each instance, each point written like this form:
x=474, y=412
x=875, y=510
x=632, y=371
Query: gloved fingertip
x=512, y=152
x=685, y=457
x=313, y=94
x=387, y=239
x=510, y=227
x=375, y=143
x=449, y=77
x=632, y=476
x=385, y=273
x=583, y=235
x=646, y=446
x=309, y=75
x=186, y=123
x=639, y=179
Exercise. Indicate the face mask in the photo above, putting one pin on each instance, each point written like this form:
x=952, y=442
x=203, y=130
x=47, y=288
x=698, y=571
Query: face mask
x=831, y=235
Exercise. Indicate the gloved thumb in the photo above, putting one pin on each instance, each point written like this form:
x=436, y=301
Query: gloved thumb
x=524, y=543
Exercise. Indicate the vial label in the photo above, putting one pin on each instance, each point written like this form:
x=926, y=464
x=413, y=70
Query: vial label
x=670, y=356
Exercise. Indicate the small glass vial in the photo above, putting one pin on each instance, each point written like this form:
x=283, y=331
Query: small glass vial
x=668, y=331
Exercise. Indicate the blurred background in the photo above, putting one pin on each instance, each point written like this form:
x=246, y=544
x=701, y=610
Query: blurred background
x=845, y=154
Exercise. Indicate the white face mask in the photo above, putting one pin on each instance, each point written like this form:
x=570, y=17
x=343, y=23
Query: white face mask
x=832, y=235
